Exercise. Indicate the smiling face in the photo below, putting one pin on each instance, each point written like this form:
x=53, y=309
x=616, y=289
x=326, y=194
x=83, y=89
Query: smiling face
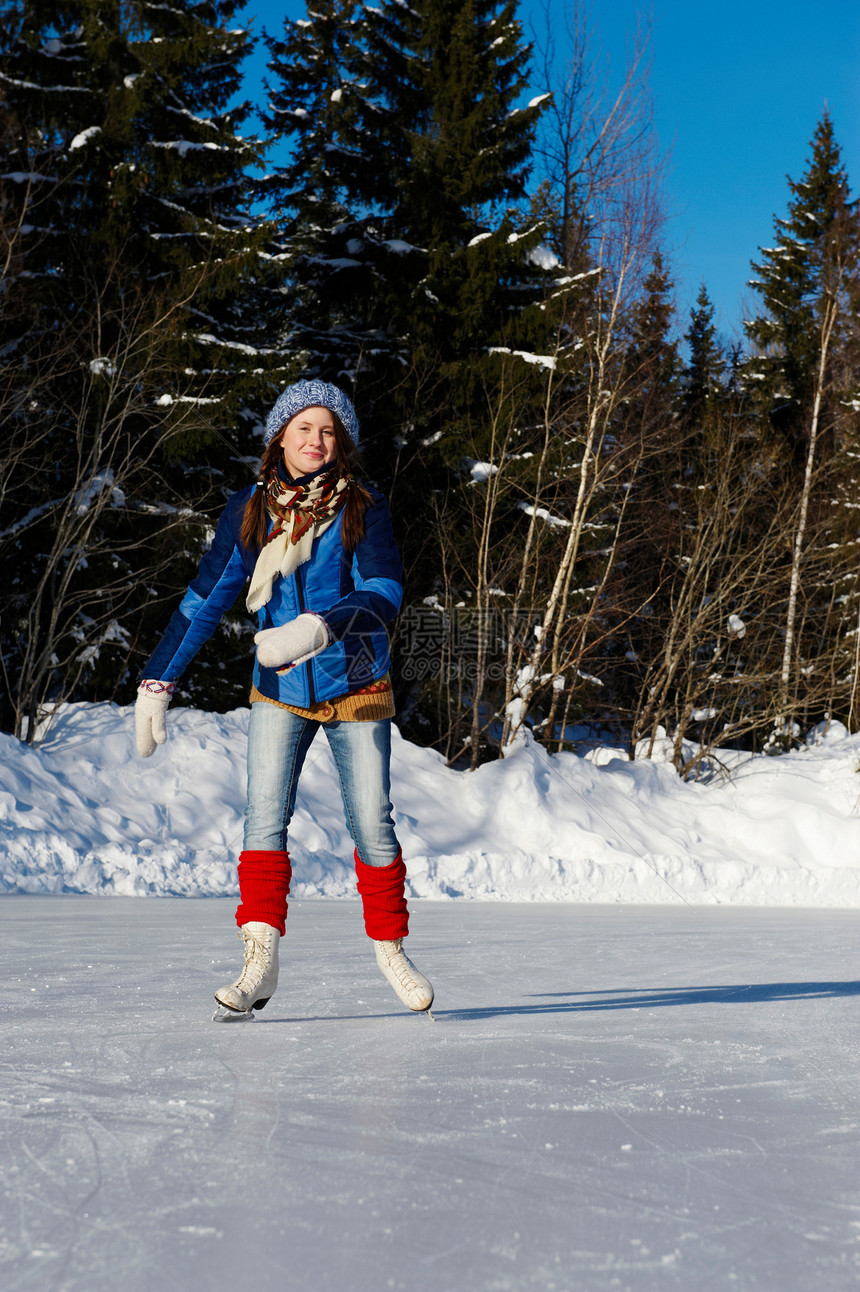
x=308, y=441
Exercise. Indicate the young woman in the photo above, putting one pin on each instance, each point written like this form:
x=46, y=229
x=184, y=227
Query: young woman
x=325, y=577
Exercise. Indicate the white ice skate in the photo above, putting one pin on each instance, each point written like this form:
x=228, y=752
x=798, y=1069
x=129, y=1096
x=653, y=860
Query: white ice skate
x=411, y=986
x=257, y=982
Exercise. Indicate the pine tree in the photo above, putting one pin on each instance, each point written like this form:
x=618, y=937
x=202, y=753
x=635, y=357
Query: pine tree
x=323, y=233
x=816, y=255
x=804, y=377
x=445, y=78
x=704, y=371
x=410, y=136
x=193, y=207
x=127, y=344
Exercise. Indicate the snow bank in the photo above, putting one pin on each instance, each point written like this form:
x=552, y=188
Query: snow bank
x=83, y=814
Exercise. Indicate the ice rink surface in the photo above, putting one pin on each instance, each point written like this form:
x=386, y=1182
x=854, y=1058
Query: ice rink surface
x=610, y=1097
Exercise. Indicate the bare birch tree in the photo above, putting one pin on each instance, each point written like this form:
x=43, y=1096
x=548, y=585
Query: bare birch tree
x=708, y=672
x=602, y=163
x=91, y=511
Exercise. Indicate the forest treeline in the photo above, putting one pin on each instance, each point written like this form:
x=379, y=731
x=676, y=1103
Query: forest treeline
x=611, y=521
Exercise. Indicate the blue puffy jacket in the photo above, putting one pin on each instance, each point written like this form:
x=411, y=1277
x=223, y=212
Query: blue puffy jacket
x=356, y=595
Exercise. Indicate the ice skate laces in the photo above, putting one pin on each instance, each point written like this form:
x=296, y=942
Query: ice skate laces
x=255, y=962
x=395, y=959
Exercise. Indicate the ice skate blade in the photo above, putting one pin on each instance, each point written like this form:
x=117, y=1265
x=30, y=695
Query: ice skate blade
x=224, y=1015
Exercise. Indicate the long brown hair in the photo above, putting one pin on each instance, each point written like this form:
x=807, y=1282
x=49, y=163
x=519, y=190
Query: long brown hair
x=255, y=519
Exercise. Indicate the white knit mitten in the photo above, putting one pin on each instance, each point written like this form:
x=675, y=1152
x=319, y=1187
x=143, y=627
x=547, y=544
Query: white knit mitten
x=292, y=643
x=153, y=697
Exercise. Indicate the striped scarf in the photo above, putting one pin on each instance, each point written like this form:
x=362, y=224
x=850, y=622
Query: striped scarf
x=301, y=513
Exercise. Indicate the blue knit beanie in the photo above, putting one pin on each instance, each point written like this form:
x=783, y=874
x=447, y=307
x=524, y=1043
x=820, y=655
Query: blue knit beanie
x=311, y=394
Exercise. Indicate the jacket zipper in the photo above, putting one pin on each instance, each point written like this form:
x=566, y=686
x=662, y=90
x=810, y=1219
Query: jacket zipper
x=301, y=598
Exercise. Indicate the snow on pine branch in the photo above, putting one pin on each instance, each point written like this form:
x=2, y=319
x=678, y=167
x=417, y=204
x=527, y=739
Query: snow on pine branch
x=81, y=140
x=542, y=360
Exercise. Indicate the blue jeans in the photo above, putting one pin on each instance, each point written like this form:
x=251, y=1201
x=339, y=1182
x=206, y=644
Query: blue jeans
x=278, y=742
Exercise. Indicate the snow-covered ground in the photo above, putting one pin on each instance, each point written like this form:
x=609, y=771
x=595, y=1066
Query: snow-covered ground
x=81, y=813
x=641, y=1099
x=660, y=1093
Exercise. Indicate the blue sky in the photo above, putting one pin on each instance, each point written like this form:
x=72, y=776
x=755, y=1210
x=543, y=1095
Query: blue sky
x=738, y=88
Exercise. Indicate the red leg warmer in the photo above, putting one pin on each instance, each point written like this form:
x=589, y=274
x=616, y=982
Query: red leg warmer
x=264, y=882
x=382, y=890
